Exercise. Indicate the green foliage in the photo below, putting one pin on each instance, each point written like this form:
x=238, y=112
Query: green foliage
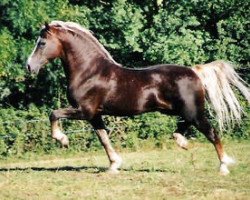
x=119, y=26
x=26, y=17
x=7, y=65
x=174, y=40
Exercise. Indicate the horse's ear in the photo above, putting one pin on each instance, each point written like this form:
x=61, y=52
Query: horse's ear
x=46, y=26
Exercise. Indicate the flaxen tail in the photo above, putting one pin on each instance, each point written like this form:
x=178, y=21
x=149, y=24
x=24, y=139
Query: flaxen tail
x=217, y=78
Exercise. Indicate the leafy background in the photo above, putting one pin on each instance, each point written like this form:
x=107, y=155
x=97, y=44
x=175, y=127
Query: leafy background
x=137, y=33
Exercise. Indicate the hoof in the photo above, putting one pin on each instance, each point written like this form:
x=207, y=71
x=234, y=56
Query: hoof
x=113, y=171
x=224, y=170
x=115, y=164
x=65, y=142
x=65, y=146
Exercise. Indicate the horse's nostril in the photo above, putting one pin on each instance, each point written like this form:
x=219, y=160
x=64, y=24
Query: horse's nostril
x=28, y=67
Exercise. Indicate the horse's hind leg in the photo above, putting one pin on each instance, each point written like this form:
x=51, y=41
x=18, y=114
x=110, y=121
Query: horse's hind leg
x=205, y=127
x=114, y=159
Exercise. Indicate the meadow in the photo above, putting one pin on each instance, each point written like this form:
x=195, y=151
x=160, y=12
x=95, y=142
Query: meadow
x=147, y=173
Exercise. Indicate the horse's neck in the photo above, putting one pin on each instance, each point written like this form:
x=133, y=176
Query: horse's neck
x=75, y=71
x=79, y=58
x=83, y=58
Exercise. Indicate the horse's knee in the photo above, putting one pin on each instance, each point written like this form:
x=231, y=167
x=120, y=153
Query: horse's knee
x=53, y=115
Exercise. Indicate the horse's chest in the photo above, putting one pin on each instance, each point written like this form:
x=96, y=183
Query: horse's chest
x=87, y=94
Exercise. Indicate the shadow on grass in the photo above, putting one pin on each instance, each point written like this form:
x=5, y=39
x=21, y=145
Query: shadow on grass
x=90, y=169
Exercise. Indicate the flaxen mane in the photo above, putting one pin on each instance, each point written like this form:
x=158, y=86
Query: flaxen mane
x=77, y=29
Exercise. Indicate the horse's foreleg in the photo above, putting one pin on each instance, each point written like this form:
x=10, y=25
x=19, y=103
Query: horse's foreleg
x=114, y=159
x=204, y=126
x=56, y=132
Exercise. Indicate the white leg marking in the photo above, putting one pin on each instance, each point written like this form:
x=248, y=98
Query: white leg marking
x=60, y=136
x=225, y=162
x=114, y=159
x=181, y=140
x=115, y=163
x=223, y=169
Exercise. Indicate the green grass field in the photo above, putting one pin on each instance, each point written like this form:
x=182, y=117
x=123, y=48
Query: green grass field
x=169, y=173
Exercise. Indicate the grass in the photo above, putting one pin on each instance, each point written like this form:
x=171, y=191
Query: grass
x=169, y=173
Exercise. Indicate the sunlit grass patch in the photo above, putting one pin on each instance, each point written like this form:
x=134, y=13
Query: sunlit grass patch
x=169, y=173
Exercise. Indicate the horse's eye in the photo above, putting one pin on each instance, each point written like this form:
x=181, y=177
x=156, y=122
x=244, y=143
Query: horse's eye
x=41, y=43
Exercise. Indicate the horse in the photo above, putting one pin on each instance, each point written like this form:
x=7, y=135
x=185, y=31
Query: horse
x=97, y=85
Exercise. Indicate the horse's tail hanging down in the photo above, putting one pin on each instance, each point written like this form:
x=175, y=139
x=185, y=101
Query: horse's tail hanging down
x=217, y=78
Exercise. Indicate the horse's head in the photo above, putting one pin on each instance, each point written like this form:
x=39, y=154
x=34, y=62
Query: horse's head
x=68, y=41
x=47, y=48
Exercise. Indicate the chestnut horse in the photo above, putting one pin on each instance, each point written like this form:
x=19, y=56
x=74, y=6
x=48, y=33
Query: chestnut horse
x=98, y=85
